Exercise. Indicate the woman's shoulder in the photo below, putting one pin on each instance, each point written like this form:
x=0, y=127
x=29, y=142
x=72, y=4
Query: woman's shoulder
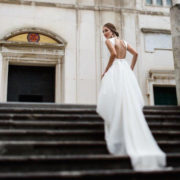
x=112, y=40
x=109, y=40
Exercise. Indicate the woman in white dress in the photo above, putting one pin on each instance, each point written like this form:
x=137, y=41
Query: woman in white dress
x=120, y=104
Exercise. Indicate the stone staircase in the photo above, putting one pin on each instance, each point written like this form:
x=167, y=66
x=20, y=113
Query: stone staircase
x=49, y=141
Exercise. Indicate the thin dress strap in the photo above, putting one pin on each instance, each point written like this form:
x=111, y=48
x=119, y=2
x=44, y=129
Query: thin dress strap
x=112, y=40
x=125, y=43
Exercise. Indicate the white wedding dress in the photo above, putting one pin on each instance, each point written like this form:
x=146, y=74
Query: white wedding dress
x=120, y=104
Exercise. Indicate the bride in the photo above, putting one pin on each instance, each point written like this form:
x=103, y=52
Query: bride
x=120, y=104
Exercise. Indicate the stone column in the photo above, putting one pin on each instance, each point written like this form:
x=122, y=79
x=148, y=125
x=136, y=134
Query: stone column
x=175, y=27
x=1, y=72
x=58, y=87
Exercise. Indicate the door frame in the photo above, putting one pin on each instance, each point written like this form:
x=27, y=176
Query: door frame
x=159, y=77
x=32, y=55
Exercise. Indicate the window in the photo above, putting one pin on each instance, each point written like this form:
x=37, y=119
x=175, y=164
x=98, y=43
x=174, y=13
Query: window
x=169, y=2
x=155, y=41
x=159, y=2
x=162, y=3
x=149, y=2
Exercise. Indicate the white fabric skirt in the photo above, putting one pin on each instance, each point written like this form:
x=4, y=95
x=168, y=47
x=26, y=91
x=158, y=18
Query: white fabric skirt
x=120, y=104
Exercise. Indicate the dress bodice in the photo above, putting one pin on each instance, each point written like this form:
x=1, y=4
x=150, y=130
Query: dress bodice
x=113, y=41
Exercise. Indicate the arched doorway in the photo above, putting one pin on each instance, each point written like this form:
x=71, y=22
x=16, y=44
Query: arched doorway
x=32, y=66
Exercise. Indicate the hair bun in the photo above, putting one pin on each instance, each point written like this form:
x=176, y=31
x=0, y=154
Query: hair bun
x=116, y=33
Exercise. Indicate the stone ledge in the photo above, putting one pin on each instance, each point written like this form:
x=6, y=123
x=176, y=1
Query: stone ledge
x=150, y=30
x=85, y=7
x=31, y=44
x=161, y=74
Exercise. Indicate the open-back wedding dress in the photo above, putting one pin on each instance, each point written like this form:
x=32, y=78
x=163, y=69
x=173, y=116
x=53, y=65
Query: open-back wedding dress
x=120, y=104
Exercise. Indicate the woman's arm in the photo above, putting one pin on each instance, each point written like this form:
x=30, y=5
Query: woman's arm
x=135, y=55
x=112, y=51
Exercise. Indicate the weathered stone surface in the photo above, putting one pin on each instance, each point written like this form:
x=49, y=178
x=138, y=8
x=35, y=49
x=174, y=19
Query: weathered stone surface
x=175, y=25
x=52, y=141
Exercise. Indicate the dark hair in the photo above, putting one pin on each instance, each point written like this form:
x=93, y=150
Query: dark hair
x=112, y=28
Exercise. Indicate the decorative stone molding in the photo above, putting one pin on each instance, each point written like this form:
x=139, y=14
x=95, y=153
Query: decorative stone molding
x=161, y=74
x=76, y=6
x=31, y=44
x=36, y=30
x=162, y=31
x=33, y=54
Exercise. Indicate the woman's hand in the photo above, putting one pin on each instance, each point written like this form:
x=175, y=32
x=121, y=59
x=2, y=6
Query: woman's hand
x=102, y=75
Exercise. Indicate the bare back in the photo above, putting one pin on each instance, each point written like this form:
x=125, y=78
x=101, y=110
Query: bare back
x=121, y=48
x=118, y=49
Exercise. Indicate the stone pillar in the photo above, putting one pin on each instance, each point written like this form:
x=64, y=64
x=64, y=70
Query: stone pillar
x=58, y=83
x=1, y=69
x=175, y=27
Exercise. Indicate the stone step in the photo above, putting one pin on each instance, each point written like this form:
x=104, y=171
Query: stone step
x=170, y=146
x=127, y=174
x=11, y=148
x=50, y=117
x=62, y=163
x=69, y=163
x=18, y=110
x=82, y=117
x=71, y=125
x=67, y=142
x=70, y=106
x=43, y=135
x=167, y=126
x=46, y=105
x=52, y=147
x=65, y=110
x=162, y=107
x=161, y=112
x=162, y=118
x=70, y=135
x=166, y=135
x=51, y=125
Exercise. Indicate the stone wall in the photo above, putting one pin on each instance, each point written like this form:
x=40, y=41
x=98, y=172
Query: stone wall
x=79, y=23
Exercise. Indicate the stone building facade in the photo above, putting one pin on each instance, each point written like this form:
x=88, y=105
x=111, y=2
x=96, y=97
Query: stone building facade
x=60, y=42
